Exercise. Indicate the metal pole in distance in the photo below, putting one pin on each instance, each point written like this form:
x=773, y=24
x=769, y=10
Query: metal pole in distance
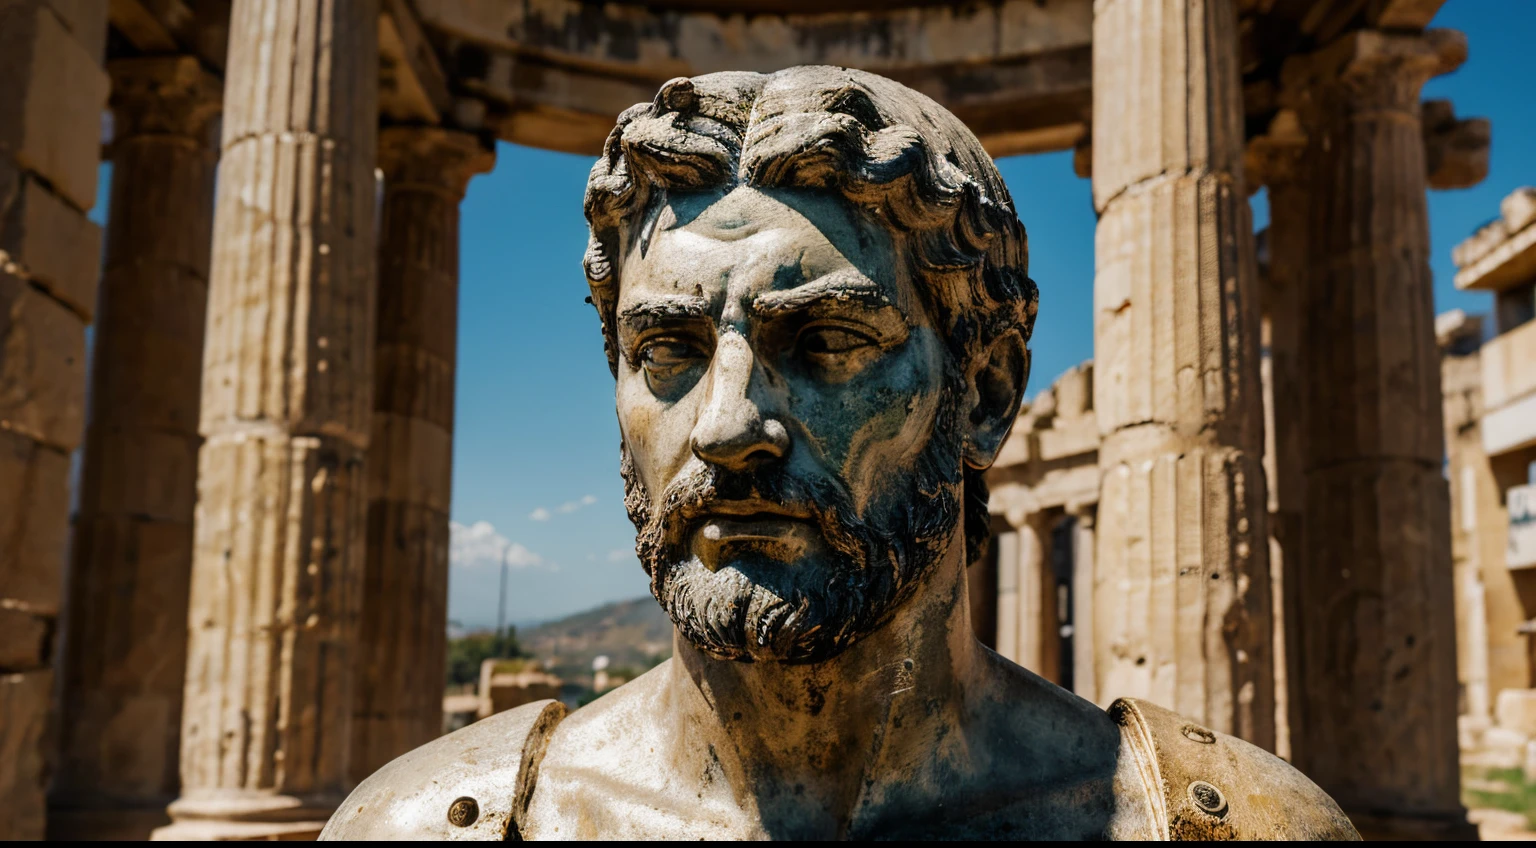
x=501, y=605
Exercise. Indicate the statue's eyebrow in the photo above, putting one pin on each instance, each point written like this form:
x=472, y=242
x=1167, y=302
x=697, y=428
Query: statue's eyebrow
x=831, y=290
x=662, y=310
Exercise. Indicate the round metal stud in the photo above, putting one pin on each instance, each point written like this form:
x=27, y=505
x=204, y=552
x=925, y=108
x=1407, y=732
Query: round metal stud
x=1208, y=798
x=463, y=812
x=1196, y=733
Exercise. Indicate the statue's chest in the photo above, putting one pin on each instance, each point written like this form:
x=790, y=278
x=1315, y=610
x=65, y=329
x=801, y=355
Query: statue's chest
x=586, y=807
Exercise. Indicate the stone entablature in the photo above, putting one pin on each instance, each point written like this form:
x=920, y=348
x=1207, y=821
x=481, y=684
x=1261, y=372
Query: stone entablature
x=1502, y=254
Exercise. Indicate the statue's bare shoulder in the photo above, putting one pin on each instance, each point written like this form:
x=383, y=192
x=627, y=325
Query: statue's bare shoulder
x=615, y=769
x=1204, y=785
x=1052, y=767
x=472, y=784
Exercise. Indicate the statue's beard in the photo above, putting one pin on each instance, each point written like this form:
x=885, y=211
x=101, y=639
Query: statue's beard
x=756, y=609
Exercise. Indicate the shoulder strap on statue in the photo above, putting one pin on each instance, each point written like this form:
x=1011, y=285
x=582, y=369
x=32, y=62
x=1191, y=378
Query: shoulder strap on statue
x=473, y=784
x=1210, y=786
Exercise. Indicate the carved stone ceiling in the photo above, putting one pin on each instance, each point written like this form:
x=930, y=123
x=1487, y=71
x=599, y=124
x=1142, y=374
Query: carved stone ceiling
x=555, y=73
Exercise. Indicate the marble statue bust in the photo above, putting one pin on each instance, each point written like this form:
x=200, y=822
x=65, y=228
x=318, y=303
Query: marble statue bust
x=814, y=295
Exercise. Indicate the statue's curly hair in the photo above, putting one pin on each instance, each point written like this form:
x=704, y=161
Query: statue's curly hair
x=889, y=151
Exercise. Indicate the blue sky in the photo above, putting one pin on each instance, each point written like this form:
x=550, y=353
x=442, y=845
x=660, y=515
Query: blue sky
x=536, y=453
x=536, y=450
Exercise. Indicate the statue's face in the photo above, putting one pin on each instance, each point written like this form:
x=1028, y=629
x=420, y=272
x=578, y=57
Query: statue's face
x=784, y=389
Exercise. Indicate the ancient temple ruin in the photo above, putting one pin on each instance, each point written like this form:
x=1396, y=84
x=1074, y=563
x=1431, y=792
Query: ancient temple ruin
x=254, y=607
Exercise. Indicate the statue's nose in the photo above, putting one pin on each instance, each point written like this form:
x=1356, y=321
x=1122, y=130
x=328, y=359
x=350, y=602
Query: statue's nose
x=734, y=430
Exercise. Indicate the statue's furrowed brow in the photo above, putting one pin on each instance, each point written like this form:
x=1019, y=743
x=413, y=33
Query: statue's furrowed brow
x=661, y=310
x=831, y=290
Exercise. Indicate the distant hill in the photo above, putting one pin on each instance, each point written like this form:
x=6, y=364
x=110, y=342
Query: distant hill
x=632, y=634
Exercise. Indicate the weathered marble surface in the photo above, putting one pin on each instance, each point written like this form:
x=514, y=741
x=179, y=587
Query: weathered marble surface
x=814, y=295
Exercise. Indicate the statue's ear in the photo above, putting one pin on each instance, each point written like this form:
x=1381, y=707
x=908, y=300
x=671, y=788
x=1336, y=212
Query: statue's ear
x=994, y=389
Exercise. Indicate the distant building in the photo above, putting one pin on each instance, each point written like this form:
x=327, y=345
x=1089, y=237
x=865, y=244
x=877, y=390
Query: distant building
x=505, y=684
x=1490, y=421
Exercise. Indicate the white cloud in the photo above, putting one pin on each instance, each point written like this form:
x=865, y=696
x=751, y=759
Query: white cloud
x=544, y=514
x=520, y=557
x=479, y=545
x=572, y=506
x=620, y=554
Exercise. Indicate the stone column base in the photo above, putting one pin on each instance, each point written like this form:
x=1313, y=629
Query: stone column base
x=270, y=817
x=1377, y=827
x=117, y=824
x=224, y=831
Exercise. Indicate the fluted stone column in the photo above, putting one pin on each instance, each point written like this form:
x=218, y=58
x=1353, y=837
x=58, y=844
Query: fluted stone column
x=1275, y=161
x=1032, y=606
x=125, y=643
x=1375, y=692
x=1182, y=597
x=1005, y=543
x=402, y=646
x=286, y=414
x=1084, y=681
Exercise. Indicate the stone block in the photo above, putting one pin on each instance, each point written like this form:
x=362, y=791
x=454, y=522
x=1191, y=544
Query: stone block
x=508, y=684
x=54, y=244
x=410, y=461
x=1070, y=437
x=140, y=472
x=25, y=640
x=34, y=523
x=1162, y=101
x=1480, y=243
x=1499, y=825
x=1074, y=391
x=1469, y=732
x=52, y=100
x=147, y=362
x=1503, y=749
x=87, y=22
x=413, y=382
x=23, y=743
x=42, y=366
x=1518, y=208
x=315, y=374
x=1168, y=334
x=1018, y=449
x=1516, y=710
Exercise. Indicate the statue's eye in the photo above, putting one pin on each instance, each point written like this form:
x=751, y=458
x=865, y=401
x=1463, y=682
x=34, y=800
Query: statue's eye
x=668, y=355
x=830, y=341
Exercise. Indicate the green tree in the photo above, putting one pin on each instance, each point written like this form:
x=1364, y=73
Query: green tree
x=466, y=653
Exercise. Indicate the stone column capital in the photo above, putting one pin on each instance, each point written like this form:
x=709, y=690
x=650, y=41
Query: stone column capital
x=164, y=95
x=1455, y=149
x=432, y=158
x=1274, y=158
x=1379, y=69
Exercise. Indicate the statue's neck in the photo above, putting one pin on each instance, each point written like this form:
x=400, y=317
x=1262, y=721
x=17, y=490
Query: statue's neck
x=814, y=746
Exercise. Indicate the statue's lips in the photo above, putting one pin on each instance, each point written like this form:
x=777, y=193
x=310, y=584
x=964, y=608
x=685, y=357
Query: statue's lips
x=751, y=520
x=763, y=525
